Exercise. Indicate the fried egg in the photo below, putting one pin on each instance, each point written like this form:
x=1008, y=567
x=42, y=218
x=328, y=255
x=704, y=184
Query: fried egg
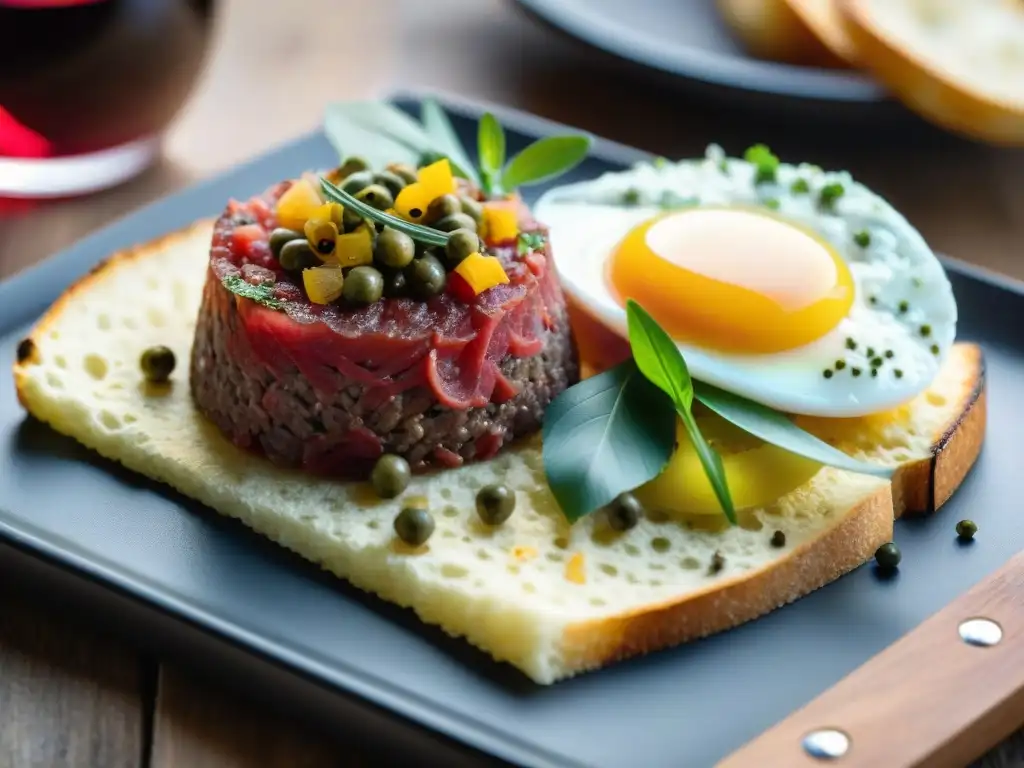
x=791, y=286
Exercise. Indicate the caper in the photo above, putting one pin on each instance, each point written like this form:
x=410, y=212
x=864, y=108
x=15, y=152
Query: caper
x=297, y=254
x=442, y=206
x=357, y=182
x=390, y=476
x=350, y=166
x=391, y=180
x=966, y=529
x=624, y=512
x=394, y=248
x=455, y=221
x=395, y=283
x=405, y=172
x=461, y=243
x=351, y=220
x=157, y=363
x=426, y=277
x=495, y=504
x=472, y=208
x=414, y=525
x=279, y=237
x=888, y=556
x=376, y=195
x=363, y=285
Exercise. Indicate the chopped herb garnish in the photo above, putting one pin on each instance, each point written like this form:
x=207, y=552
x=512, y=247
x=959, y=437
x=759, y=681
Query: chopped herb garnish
x=897, y=373
x=935, y=349
x=877, y=362
x=827, y=373
x=528, y=242
x=772, y=203
x=862, y=238
x=917, y=282
x=874, y=373
x=870, y=352
x=800, y=187
x=903, y=306
x=840, y=364
x=631, y=196
x=889, y=354
x=766, y=165
x=660, y=162
x=850, y=343
x=829, y=194
x=926, y=331
x=872, y=300
x=723, y=165
x=671, y=199
x=261, y=294
x=855, y=372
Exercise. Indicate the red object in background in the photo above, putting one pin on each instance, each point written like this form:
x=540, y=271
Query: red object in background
x=81, y=78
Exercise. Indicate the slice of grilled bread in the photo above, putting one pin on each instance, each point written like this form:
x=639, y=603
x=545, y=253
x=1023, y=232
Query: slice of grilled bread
x=959, y=64
x=550, y=598
x=804, y=32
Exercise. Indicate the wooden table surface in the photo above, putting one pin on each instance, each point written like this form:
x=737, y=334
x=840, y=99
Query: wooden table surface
x=72, y=693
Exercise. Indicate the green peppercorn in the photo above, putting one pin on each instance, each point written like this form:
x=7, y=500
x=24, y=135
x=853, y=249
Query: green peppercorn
x=888, y=556
x=363, y=285
x=442, y=207
x=472, y=208
x=392, y=181
x=495, y=504
x=395, y=284
x=455, y=221
x=405, y=172
x=624, y=512
x=394, y=249
x=297, y=254
x=966, y=529
x=280, y=236
x=778, y=539
x=426, y=277
x=357, y=182
x=376, y=195
x=390, y=476
x=414, y=525
x=461, y=243
x=157, y=364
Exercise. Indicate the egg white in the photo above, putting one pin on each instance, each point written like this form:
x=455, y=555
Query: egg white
x=588, y=219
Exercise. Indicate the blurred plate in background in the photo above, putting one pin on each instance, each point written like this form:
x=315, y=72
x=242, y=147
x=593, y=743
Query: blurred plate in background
x=687, y=39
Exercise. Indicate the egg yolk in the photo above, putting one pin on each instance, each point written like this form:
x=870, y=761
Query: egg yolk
x=733, y=279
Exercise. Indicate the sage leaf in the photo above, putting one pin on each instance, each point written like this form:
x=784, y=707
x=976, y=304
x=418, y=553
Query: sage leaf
x=445, y=140
x=417, y=232
x=608, y=434
x=661, y=362
x=491, y=149
x=261, y=294
x=376, y=131
x=775, y=428
x=545, y=159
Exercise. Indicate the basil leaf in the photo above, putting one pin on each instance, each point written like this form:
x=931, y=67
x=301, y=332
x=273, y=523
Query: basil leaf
x=660, y=360
x=418, y=232
x=439, y=128
x=608, y=434
x=376, y=131
x=545, y=159
x=775, y=428
x=491, y=149
x=261, y=294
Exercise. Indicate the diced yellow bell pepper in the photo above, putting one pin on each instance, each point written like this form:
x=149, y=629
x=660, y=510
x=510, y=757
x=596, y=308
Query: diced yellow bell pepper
x=297, y=205
x=501, y=222
x=321, y=230
x=411, y=203
x=355, y=248
x=481, y=272
x=437, y=179
x=323, y=284
x=332, y=212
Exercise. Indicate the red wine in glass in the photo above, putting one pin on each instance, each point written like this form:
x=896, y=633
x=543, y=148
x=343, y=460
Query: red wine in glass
x=88, y=86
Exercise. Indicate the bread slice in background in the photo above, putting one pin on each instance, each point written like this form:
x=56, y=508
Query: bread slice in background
x=824, y=19
x=790, y=31
x=959, y=63
x=549, y=598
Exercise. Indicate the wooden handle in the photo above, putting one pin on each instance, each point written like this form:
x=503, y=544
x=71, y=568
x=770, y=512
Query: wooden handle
x=930, y=699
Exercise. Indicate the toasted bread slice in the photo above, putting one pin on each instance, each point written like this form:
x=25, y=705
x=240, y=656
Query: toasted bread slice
x=825, y=20
x=959, y=64
x=550, y=598
x=787, y=31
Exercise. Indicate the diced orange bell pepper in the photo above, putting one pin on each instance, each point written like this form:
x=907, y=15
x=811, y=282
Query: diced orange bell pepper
x=501, y=222
x=355, y=248
x=411, y=203
x=297, y=205
x=323, y=284
x=481, y=272
x=437, y=179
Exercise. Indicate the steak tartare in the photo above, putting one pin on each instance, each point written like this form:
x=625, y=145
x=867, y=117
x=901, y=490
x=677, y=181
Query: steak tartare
x=330, y=387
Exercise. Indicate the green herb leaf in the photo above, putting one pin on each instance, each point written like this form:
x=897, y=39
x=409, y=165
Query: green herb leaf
x=375, y=130
x=830, y=194
x=545, y=159
x=608, y=434
x=491, y=149
x=659, y=359
x=439, y=128
x=261, y=294
x=765, y=163
x=775, y=428
x=527, y=242
x=417, y=232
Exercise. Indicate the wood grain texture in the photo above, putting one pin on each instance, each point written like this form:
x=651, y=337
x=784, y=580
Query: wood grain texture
x=953, y=702
x=68, y=696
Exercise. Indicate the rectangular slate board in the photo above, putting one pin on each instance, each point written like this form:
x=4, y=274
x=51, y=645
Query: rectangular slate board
x=215, y=587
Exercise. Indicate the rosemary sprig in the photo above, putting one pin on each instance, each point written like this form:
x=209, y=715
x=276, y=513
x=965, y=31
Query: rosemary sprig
x=417, y=232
